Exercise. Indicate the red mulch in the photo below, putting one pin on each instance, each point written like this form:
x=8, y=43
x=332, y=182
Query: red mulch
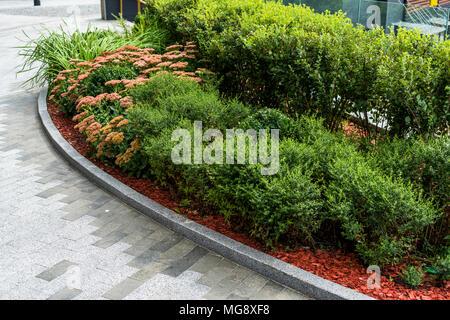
x=337, y=266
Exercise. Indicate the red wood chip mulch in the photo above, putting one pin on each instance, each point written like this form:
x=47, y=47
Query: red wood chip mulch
x=337, y=266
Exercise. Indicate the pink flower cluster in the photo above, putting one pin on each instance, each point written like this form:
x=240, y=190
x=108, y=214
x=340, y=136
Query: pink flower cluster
x=71, y=84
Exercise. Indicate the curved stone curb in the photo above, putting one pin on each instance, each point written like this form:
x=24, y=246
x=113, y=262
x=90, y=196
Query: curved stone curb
x=272, y=268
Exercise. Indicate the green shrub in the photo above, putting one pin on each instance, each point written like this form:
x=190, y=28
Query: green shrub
x=206, y=107
x=375, y=211
x=166, y=103
x=95, y=83
x=271, y=119
x=425, y=164
x=319, y=148
x=157, y=151
x=182, y=98
x=151, y=121
x=413, y=85
x=381, y=216
x=287, y=205
x=413, y=276
x=442, y=267
x=159, y=87
x=171, y=13
x=147, y=30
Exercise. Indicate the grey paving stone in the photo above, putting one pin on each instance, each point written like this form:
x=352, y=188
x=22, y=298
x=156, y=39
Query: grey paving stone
x=166, y=243
x=57, y=270
x=208, y=262
x=110, y=239
x=29, y=156
x=65, y=294
x=145, y=258
x=123, y=289
x=268, y=292
x=133, y=237
x=155, y=251
x=9, y=147
x=162, y=286
x=49, y=192
x=181, y=265
x=108, y=228
x=288, y=294
x=74, y=215
x=176, y=252
x=250, y=285
x=233, y=296
x=160, y=233
x=218, y=273
x=225, y=287
x=99, y=202
x=140, y=246
x=149, y=271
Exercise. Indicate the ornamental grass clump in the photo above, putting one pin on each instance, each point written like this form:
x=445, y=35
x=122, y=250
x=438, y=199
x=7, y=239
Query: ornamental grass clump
x=53, y=51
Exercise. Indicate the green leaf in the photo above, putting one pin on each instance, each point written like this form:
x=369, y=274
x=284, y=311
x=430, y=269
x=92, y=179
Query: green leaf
x=430, y=270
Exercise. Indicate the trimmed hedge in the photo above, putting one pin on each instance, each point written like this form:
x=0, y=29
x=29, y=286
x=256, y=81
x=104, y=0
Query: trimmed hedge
x=301, y=62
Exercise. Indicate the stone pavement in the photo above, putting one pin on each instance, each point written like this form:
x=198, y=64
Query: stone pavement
x=61, y=237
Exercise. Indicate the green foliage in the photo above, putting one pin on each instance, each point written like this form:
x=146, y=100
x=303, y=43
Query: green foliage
x=424, y=163
x=324, y=5
x=271, y=119
x=414, y=86
x=374, y=210
x=159, y=87
x=286, y=206
x=381, y=216
x=385, y=251
x=301, y=62
x=166, y=103
x=184, y=98
x=413, y=276
x=170, y=13
x=157, y=151
x=442, y=267
x=51, y=51
x=147, y=29
x=95, y=83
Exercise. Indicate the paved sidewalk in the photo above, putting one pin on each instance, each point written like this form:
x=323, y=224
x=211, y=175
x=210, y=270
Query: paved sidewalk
x=61, y=237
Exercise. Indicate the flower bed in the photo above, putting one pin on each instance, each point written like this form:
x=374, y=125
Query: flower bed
x=334, y=265
x=329, y=189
